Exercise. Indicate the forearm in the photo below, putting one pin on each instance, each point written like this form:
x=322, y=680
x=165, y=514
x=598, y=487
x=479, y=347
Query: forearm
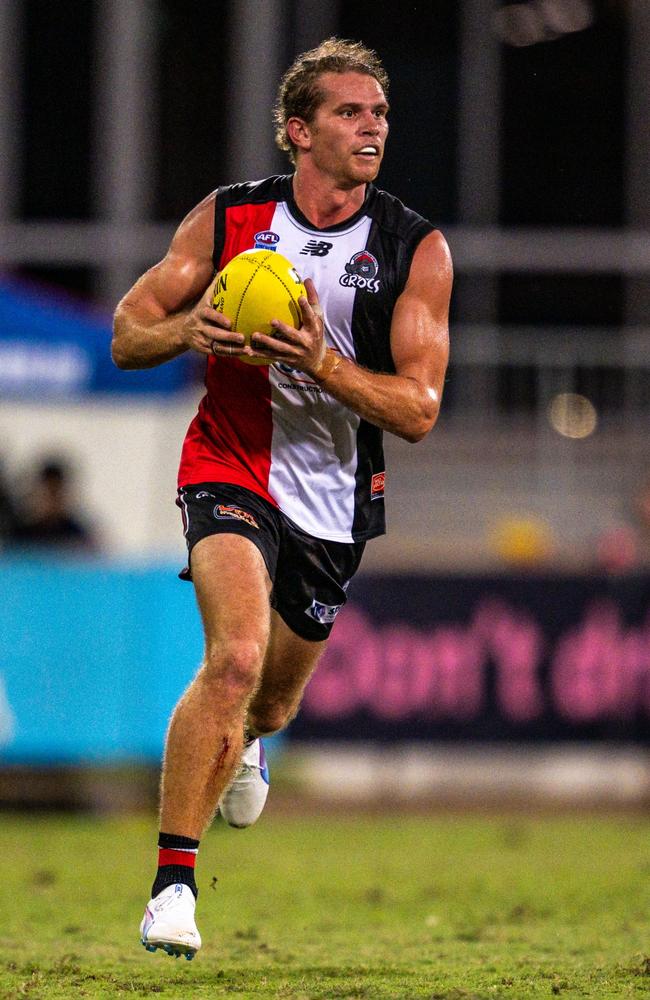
x=396, y=403
x=141, y=340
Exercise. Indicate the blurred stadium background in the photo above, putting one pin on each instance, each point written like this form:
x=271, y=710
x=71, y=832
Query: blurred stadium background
x=497, y=646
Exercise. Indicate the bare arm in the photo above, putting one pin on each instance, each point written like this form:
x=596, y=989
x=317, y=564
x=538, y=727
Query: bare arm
x=168, y=311
x=408, y=402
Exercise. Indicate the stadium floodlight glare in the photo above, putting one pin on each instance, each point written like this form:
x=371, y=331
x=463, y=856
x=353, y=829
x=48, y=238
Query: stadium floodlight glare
x=572, y=415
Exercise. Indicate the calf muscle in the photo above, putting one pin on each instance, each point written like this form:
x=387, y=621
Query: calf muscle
x=205, y=737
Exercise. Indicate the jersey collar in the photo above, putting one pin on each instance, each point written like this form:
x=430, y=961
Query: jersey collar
x=340, y=226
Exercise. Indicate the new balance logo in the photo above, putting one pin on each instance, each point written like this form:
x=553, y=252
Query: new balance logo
x=317, y=248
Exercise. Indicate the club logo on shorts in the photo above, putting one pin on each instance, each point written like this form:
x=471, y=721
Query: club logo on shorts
x=361, y=272
x=324, y=614
x=266, y=240
x=225, y=511
x=377, y=484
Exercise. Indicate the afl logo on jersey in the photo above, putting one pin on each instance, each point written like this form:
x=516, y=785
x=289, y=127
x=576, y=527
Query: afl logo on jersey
x=266, y=240
x=361, y=272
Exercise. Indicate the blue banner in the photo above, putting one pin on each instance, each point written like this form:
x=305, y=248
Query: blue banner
x=53, y=347
x=92, y=660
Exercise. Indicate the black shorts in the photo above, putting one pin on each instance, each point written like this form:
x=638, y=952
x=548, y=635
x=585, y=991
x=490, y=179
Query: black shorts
x=310, y=575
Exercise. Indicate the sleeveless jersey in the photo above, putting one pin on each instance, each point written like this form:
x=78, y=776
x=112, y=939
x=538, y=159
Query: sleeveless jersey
x=272, y=429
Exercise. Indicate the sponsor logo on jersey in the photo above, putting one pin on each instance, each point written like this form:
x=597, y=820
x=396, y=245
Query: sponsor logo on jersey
x=317, y=248
x=204, y=495
x=266, y=240
x=293, y=373
x=301, y=388
x=323, y=613
x=361, y=272
x=224, y=511
x=299, y=381
x=377, y=484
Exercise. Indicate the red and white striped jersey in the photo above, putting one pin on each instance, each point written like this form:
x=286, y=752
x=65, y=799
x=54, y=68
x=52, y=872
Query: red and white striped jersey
x=272, y=429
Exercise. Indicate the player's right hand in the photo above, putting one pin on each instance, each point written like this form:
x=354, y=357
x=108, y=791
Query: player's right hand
x=209, y=332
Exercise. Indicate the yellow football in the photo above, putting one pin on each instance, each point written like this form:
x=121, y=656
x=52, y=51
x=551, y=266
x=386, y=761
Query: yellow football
x=255, y=287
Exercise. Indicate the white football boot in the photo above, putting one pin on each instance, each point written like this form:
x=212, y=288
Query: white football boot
x=168, y=922
x=242, y=802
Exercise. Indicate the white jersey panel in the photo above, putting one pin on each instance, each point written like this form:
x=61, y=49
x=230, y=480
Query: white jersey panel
x=313, y=445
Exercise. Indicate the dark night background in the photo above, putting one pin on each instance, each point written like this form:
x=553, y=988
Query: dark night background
x=562, y=147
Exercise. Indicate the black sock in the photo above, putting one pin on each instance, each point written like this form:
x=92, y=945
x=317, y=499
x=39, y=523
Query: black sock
x=176, y=858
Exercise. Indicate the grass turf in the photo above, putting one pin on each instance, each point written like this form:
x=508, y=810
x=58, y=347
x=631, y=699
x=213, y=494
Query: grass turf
x=444, y=908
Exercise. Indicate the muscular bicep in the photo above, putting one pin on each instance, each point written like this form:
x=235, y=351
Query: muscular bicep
x=184, y=273
x=420, y=325
x=170, y=286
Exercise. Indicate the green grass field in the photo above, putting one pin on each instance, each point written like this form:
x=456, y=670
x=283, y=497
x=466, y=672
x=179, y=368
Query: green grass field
x=395, y=907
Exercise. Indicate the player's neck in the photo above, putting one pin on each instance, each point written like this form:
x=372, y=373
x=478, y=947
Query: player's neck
x=323, y=203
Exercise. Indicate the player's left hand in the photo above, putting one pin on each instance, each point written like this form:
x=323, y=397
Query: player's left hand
x=303, y=349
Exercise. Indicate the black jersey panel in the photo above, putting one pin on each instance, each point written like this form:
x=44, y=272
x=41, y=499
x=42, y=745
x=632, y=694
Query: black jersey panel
x=381, y=275
x=394, y=236
x=377, y=275
x=277, y=188
x=220, y=202
x=369, y=512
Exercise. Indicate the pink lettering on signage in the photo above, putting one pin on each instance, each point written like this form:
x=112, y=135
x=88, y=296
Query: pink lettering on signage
x=598, y=670
x=457, y=668
x=513, y=642
x=397, y=671
x=435, y=674
x=347, y=675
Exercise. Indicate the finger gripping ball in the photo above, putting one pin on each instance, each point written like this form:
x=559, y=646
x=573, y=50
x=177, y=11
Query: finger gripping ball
x=255, y=287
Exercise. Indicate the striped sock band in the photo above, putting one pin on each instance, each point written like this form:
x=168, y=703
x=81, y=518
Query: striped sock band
x=176, y=860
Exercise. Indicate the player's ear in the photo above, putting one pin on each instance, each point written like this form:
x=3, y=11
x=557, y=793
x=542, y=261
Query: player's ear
x=299, y=133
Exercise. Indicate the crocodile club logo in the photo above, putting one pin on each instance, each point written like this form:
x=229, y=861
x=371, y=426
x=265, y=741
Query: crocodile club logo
x=361, y=272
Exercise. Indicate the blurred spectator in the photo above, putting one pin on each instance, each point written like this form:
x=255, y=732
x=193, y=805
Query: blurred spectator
x=47, y=518
x=8, y=516
x=625, y=546
x=617, y=550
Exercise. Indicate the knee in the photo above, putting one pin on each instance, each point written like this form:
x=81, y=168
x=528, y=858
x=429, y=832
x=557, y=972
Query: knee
x=270, y=718
x=234, y=664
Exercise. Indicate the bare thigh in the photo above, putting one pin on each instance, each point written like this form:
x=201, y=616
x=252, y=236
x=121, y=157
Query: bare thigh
x=232, y=590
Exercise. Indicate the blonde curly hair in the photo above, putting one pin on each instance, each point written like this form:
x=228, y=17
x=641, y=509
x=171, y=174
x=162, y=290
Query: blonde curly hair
x=299, y=94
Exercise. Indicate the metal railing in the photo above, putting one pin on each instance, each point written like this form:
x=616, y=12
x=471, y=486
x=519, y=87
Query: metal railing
x=512, y=374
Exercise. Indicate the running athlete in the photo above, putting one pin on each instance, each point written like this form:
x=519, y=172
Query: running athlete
x=282, y=475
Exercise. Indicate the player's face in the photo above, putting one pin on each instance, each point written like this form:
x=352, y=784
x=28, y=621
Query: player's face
x=348, y=131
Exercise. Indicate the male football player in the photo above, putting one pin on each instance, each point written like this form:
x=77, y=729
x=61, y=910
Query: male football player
x=282, y=476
